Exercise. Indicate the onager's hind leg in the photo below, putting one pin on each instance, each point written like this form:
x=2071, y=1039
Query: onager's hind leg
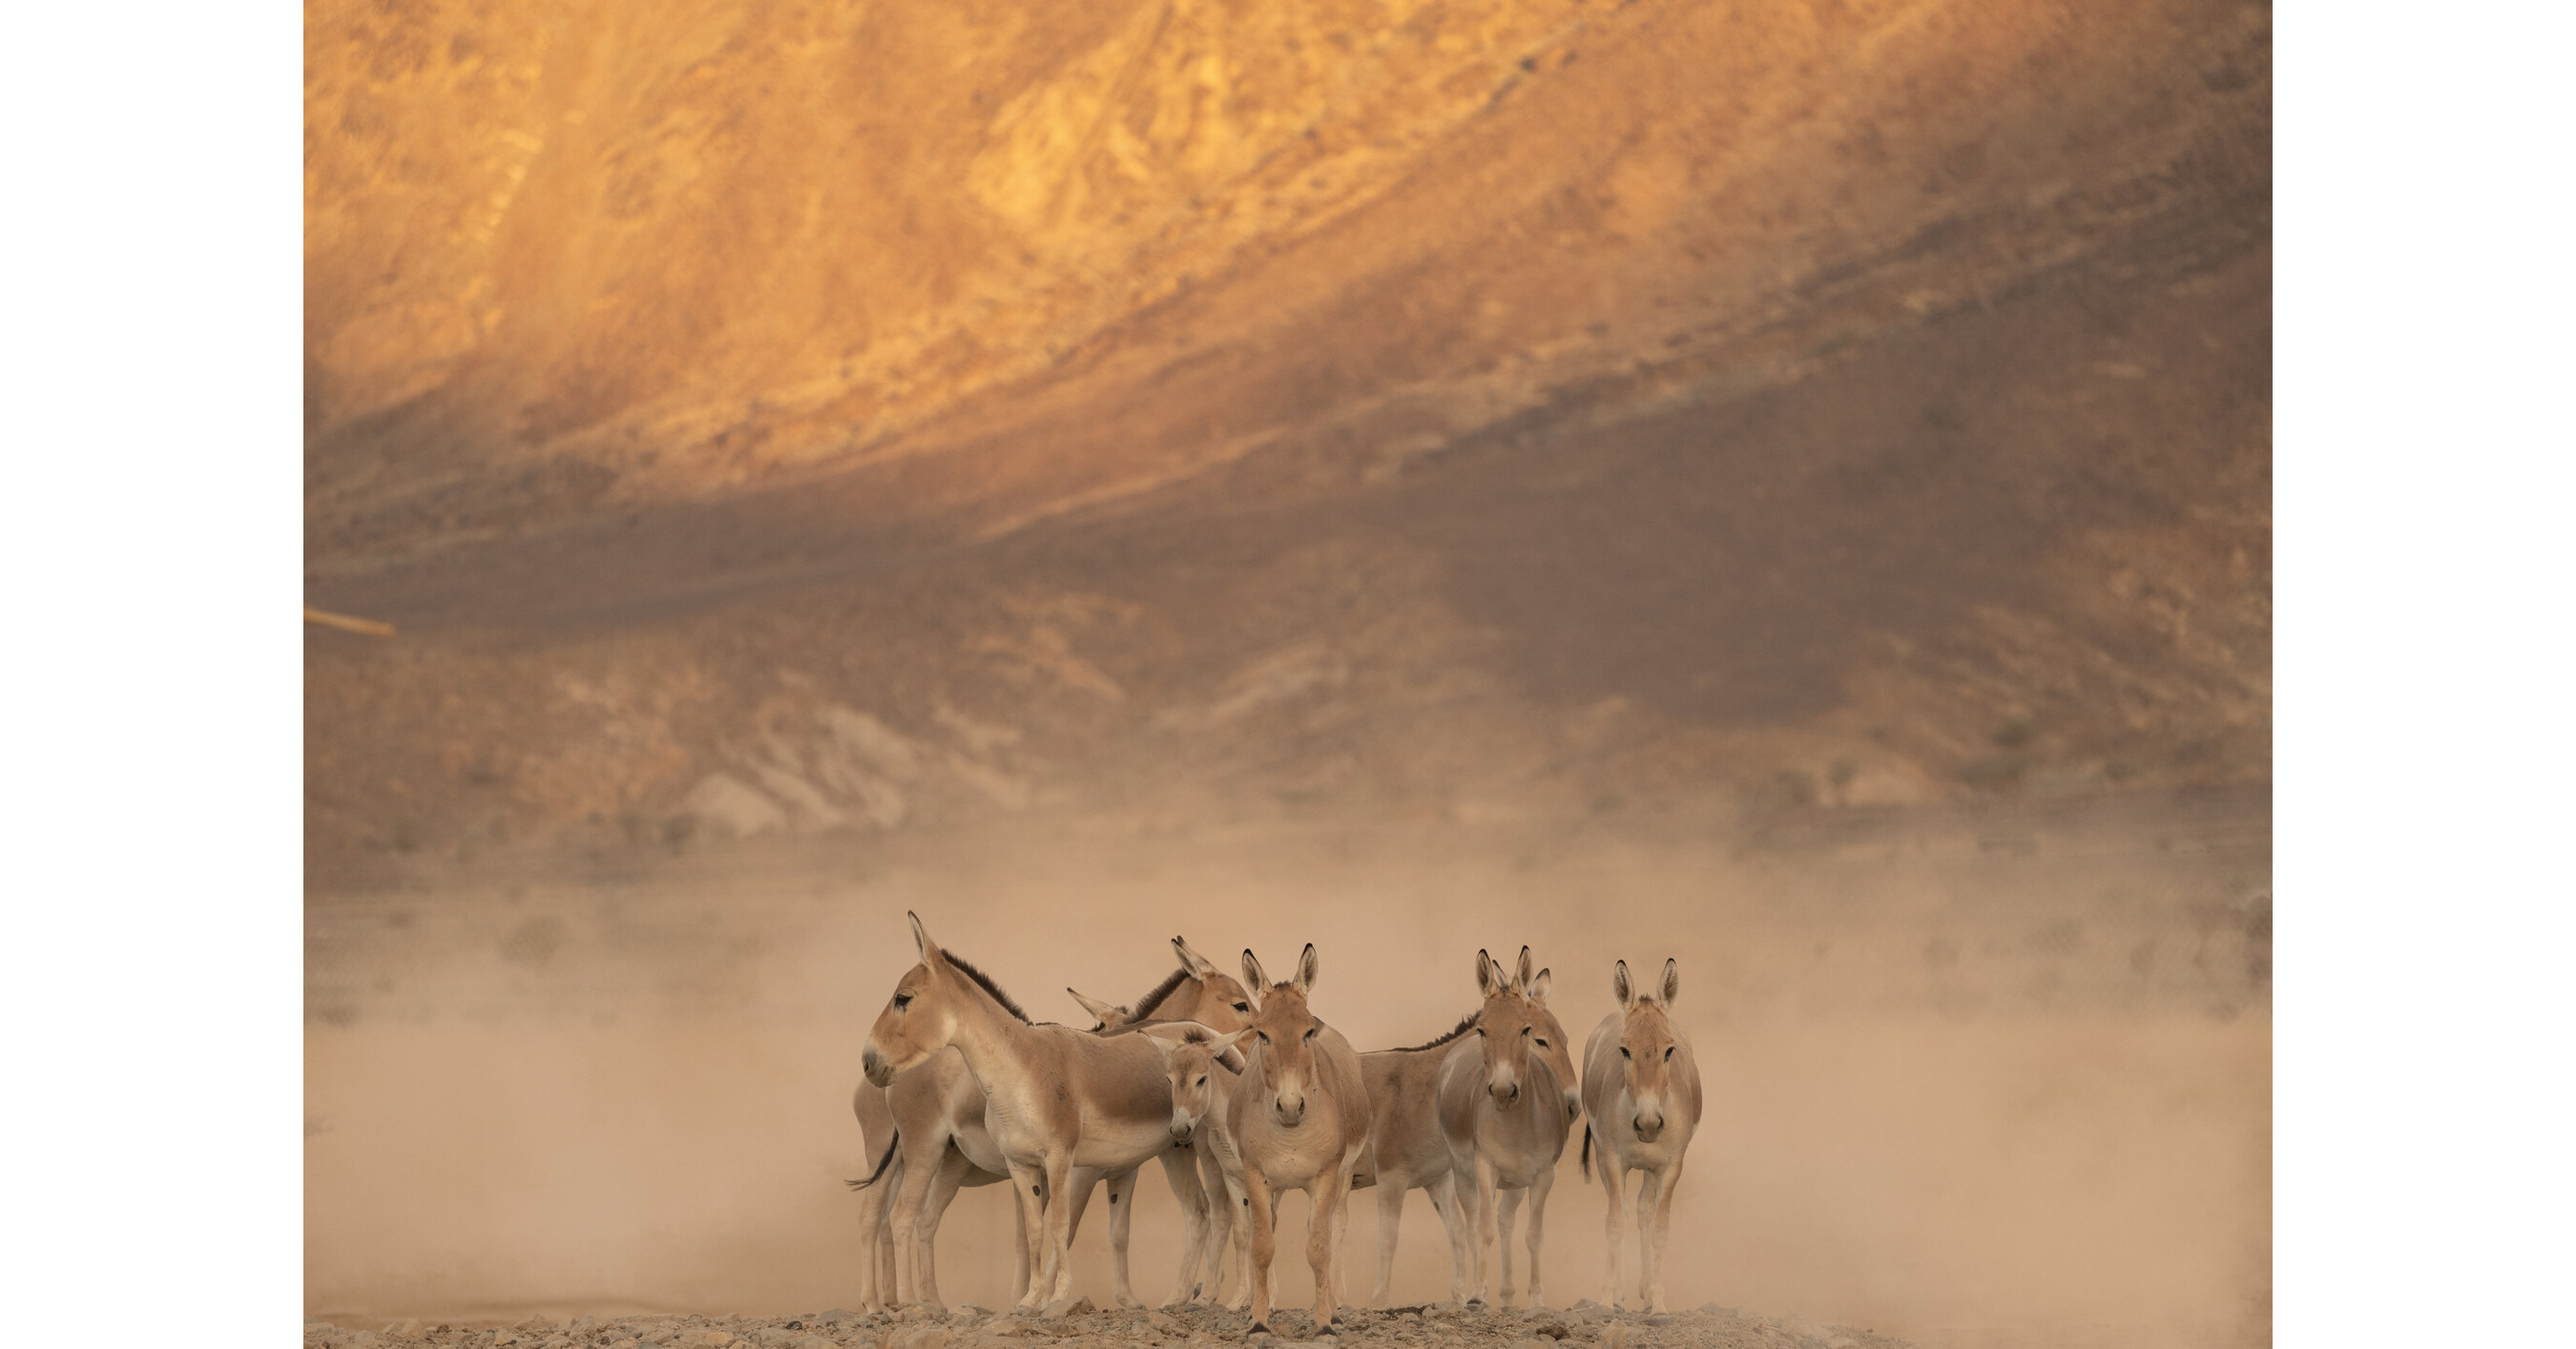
x=1390, y=1218
x=876, y=1239
x=1444, y=1201
x=953, y=1167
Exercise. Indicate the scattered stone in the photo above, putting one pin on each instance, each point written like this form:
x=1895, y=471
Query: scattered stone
x=1659, y=1318
x=835, y=1317
x=776, y=1335
x=1552, y=1328
x=1162, y=1322
x=366, y=1339
x=1615, y=1335
x=716, y=1339
x=1804, y=1329
x=1533, y=1342
x=921, y=1337
x=1082, y=1306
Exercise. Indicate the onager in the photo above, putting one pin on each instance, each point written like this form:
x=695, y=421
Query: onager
x=1506, y=1106
x=1645, y=1106
x=1299, y=1120
x=1408, y=1151
x=1203, y=1067
x=1054, y=1099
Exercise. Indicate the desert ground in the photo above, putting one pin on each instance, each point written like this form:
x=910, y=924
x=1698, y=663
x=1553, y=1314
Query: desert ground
x=1786, y=489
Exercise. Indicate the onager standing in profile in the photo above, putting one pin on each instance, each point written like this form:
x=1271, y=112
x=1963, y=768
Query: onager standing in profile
x=1055, y=1097
x=1507, y=1105
x=1299, y=1119
x=1407, y=1150
x=934, y=1114
x=1645, y=1107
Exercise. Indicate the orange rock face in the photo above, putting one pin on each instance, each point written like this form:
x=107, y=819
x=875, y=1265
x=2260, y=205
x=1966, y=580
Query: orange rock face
x=1873, y=397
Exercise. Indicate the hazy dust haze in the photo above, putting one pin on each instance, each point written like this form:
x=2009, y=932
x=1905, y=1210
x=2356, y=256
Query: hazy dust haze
x=1786, y=488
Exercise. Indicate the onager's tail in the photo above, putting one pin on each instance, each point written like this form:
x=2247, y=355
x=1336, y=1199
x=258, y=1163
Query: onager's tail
x=1587, y=1153
x=888, y=1160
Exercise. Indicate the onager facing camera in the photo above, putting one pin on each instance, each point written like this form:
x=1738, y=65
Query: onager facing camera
x=1507, y=1105
x=1645, y=1105
x=1299, y=1119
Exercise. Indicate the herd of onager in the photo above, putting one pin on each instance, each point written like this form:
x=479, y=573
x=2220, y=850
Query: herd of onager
x=1242, y=1092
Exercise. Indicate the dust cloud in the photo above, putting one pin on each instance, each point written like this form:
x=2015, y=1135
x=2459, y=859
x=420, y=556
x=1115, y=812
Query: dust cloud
x=1998, y=1077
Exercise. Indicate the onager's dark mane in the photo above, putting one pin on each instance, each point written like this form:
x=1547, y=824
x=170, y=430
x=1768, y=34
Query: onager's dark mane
x=985, y=982
x=1145, y=1005
x=1462, y=1028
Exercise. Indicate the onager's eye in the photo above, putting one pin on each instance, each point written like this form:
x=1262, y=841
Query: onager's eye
x=1310, y=1032
x=1480, y=1032
x=1243, y=1007
x=902, y=1000
x=1202, y=1080
x=1263, y=1035
x=1525, y=1030
x=1623, y=1053
x=1668, y=1051
x=1542, y=1044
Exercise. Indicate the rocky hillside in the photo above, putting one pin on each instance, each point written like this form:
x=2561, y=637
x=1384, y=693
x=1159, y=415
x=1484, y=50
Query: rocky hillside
x=815, y=417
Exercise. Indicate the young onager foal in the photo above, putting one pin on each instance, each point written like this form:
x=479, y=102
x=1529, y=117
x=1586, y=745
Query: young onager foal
x=1507, y=1104
x=1055, y=1098
x=1299, y=1119
x=1645, y=1107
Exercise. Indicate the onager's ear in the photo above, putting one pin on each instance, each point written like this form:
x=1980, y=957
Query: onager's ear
x=1538, y=989
x=921, y=940
x=1253, y=978
x=1307, y=968
x=1163, y=1038
x=1672, y=980
x=1192, y=961
x=1224, y=1044
x=1489, y=976
x=1100, y=1011
x=1620, y=988
x=1521, y=974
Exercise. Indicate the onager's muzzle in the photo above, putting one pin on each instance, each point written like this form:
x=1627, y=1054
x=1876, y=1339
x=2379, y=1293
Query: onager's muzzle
x=1289, y=1107
x=1505, y=1087
x=878, y=1068
x=1183, y=1127
x=1649, y=1122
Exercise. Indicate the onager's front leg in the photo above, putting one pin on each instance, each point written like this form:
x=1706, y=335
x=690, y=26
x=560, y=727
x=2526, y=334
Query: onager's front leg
x=1323, y=1231
x=1669, y=1181
x=1181, y=1171
x=1028, y=1192
x=1265, y=1243
x=1486, y=1203
x=1538, y=1227
x=1508, y=1209
x=1613, y=1180
x=1122, y=1195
